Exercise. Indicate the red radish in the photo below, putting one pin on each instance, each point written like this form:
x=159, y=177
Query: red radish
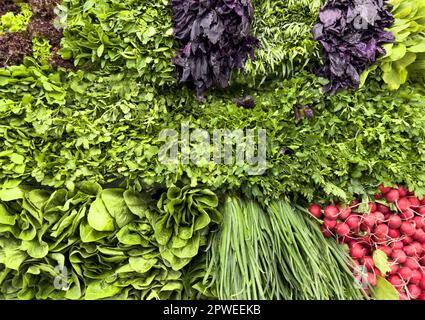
x=330, y=224
x=353, y=222
x=382, y=208
x=410, y=250
x=421, y=211
x=342, y=229
x=416, y=277
x=383, y=189
x=325, y=231
x=423, y=200
x=379, y=216
x=357, y=252
x=394, y=221
x=378, y=196
x=386, y=249
x=411, y=193
x=414, y=291
x=419, y=235
x=422, y=283
x=411, y=263
x=402, y=191
x=315, y=211
x=396, y=245
x=403, y=296
x=331, y=212
x=407, y=214
x=372, y=207
x=377, y=272
x=393, y=233
x=421, y=296
x=414, y=202
x=407, y=228
x=418, y=248
x=369, y=220
x=371, y=279
x=392, y=196
x=394, y=267
x=405, y=273
x=419, y=222
x=422, y=261
x=368, y=262
x=399, y=256
x=381, y=231
x=395, y=280
x=407, y=240
x=403, y=204
x=344, y=213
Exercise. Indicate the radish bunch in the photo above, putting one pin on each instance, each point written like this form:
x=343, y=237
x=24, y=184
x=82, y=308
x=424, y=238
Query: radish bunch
x=395, y=224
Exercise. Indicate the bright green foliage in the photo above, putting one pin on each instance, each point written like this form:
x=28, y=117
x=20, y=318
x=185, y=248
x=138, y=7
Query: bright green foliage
x=68, y=128
x=287, y=45
x=405, y=58
x=16, y=22
x=104, y=238
x=276, y=253
x=182, y=225
x=120, y=35
x=41, y=50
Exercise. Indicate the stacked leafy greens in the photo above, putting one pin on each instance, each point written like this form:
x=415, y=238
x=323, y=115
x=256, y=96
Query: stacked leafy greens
x=92, y=243
x=406, y=57
x=352, y=33
x=216, y=39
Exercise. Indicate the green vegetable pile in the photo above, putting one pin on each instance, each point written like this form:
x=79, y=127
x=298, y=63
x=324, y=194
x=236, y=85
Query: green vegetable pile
x=88, y=210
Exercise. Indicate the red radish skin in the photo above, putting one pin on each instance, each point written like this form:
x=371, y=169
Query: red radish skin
x=403, y=204
x=394, y=268
x=419, y=221
x=413, y=291
x=344, y=213
x=372, y=207
x=369, y=220
x=381, y=232
x=368, y=262
x=383, y=189
x=315, y=210
x=407, y=214
x=384, y=209
x=379, y=217
x=357, y=252
x=411, y=263
x=342, y=229
x=421, y=296
x=422, y=283
x=394, y=221
x=393, y=233
x=396, y=245
x=325, y=231
x=392, y=196
x=371, y=279
x=402, y=191
x=423, y=200
x=386, y=249
x=414, y=202
x=378, y=196
x=407, y=228
x=403, y=296
x=353, y=222
x=410, y=250
x=331, y=212
x=396, y=281
x=421, y=211
x=418, y=248
x=399, y=256
x=416, y=277
x=405, y=273
x=407, y=240
x=329, y=224
x=419, y=235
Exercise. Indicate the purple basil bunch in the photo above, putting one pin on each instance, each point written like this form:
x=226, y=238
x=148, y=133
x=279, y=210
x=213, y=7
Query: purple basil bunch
x=216, y=40
x=352, y=33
